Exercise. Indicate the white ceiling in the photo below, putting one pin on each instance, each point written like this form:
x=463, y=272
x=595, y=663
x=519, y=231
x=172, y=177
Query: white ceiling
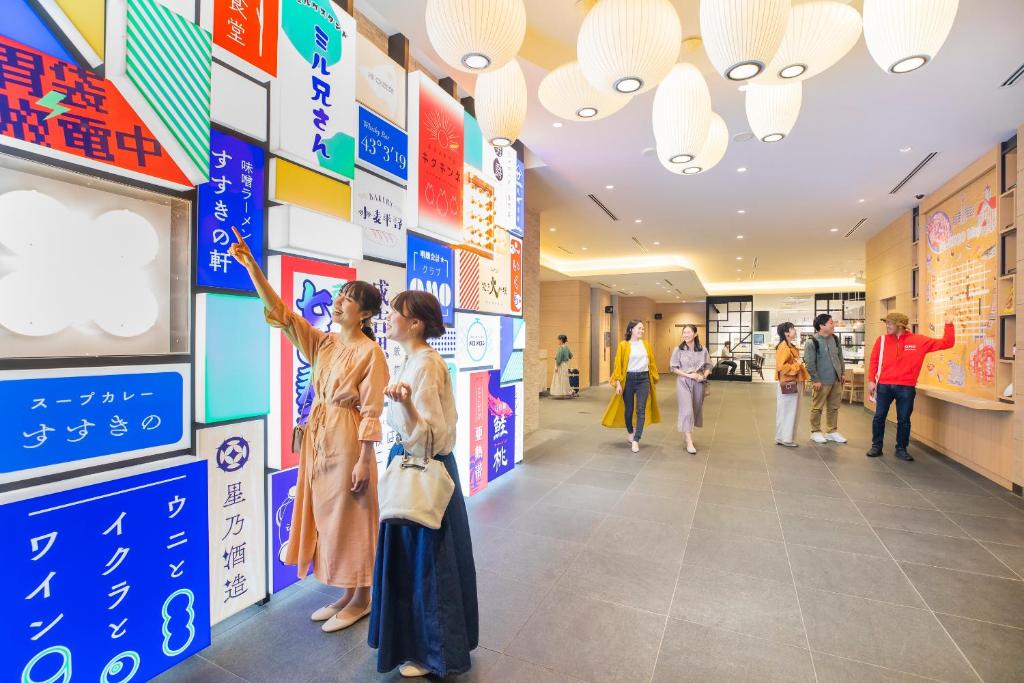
x=844, y=148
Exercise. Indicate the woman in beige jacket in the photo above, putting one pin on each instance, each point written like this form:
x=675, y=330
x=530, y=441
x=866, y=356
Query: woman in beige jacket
x=791, y=373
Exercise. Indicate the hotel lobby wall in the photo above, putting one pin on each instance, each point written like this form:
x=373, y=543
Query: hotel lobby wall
x=989, y=441
x=636, y=308
x=669, y=329
x=565, y=309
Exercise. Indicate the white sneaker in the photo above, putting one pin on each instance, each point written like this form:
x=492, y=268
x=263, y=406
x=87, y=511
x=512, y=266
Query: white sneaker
x=818, y=437
x=413, y=670
x=836, y=437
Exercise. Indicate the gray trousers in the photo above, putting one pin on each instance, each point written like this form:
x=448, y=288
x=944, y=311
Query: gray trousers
x=636, y=393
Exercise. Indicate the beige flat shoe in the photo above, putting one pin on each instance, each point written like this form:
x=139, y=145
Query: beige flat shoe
x=335, y=624
x=325, y=613
x=413, y=670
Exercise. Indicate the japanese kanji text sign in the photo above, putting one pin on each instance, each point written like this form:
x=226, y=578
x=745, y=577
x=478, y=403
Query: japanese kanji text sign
x=248, y=30
x=430, y=268
x=501, y=426
x=108, y=580
x=435, y=149
x=379, y=208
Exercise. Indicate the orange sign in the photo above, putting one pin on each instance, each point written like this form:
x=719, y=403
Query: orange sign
x=248, y=29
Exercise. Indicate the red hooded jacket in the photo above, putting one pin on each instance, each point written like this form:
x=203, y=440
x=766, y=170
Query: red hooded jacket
x=904, y=356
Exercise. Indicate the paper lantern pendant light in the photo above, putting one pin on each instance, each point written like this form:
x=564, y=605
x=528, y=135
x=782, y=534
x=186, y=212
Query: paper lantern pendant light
x=476, y=35
x=820, y=33
x=710, y=154
x=681, y=114
x=500, y=101
x=904, y=35
x=742, y=36
x=627, y=46
x=566, y=93
x=772, y=110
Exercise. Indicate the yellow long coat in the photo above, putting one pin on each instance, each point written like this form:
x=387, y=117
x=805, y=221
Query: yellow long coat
x=615, y=416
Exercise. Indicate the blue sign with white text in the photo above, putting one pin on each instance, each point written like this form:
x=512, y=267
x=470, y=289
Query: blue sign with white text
x=51, y=421
x=383, y=145
x=109, y=581
x=430, y=268
x=234, y=197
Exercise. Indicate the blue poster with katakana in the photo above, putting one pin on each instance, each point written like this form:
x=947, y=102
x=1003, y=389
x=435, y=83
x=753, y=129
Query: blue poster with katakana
x=430, y=267
x=234, y=197
x=109, y=581
x=56, y=420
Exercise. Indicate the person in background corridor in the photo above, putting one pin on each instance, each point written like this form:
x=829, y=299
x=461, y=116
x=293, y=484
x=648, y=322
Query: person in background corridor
x=634, y=375
x=726, y=358
x=336, y=515
x=791, y=373
x=691, y=364
x=896, y=360
x=824, y=359
x=425, y=617
x=560, y=380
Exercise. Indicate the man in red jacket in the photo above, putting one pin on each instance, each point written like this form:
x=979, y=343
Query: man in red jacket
x=896, y=360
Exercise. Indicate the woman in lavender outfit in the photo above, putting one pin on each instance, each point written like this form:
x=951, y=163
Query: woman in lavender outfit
x=691, y=364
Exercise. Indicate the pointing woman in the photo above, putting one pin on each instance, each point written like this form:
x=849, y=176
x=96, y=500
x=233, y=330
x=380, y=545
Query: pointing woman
x=691, y=364
x=335, y=518
x=634, y=375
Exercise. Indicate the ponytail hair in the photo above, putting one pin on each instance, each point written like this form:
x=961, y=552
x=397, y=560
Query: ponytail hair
x=783, y=329
x=369, y=299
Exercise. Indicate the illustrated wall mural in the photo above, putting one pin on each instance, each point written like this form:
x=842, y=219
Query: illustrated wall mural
x=148, y=413
x=960, y=269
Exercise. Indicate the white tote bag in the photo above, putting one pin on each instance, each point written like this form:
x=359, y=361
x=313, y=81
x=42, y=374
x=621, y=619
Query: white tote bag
x=415, y=490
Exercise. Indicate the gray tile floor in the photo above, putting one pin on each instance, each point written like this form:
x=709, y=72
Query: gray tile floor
x=746, y=562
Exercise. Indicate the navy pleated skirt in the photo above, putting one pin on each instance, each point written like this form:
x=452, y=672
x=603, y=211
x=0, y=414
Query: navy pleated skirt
x=424, y=605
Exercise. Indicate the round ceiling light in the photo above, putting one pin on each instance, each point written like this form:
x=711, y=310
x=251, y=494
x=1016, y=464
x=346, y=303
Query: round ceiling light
x=500, y=99
x=626, y=46
x=681, y=114
x=711, y=152
x=566, y=93
x=742, y=36
x=772, y=110
x=820, y=33
x=475, y=36
x=904, y=36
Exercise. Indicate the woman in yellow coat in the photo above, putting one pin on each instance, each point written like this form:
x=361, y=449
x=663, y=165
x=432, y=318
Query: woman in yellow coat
x=634, y=376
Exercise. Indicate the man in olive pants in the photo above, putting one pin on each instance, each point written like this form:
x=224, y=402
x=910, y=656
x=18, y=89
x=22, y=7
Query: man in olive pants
x=823, y=357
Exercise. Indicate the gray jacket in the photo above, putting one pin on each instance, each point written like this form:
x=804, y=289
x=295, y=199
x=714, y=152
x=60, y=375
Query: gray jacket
x=828, y=351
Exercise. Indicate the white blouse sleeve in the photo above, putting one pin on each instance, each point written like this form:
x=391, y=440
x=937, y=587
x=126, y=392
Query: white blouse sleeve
x=427, y=428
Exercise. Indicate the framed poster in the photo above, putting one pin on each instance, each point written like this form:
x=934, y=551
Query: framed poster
x=310, y=288
x=380, y=82
x=380, y=210
x=248, y=30
x=281, y=490
x=383, y=146
x=435, y=145
x=478, y=341
x=234, y=197
x=501, y=426
x=478, y=431
x=95, y=127
x=478, y=212
x=500, y=167
x=235, y=454
x=516, y=268
x=430, y=268
x=106, y=574
x=495, y=277
x=520, y=227
x=58, y=420
x=312, y=100
x=123, y=252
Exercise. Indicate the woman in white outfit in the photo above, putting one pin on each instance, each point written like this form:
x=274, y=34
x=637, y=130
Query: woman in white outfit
x=791, y=373
x=560, y=380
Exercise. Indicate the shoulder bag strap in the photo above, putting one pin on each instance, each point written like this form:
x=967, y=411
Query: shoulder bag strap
x=881, y=357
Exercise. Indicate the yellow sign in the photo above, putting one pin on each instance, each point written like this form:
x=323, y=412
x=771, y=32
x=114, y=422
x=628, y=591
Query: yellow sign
x=961, y=271
x=294, y=184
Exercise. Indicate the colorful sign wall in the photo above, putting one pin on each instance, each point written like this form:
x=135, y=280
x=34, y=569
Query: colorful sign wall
x=960, y=278
x=430, y=268
x=234, y=198
x=235, y=455
x=107, y=579
x=64, y=419
x=308, y=288
x=313, y=118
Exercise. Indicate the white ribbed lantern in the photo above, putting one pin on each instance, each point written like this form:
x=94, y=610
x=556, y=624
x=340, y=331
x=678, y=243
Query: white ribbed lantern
x=681, y=114
x=820, y=33
x=710, y=154
x=566, y=93
x=627, y=46
x=476, y=35
x=903, y=35
x=742, y=36
x=500, y=101
x=772, y=110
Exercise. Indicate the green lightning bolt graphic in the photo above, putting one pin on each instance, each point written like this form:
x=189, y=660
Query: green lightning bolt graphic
x=52, y=100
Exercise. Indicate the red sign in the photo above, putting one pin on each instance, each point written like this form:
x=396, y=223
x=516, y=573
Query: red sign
x=248, y=29
x=440, y=162
x=50, y=103
x=516, y=254
x=478, y=431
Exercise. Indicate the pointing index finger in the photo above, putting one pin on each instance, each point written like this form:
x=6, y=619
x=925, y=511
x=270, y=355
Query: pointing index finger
x=238, y=235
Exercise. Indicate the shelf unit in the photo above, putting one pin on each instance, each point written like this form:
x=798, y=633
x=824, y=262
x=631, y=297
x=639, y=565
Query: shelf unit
x=847, y=309
x=1006, y=284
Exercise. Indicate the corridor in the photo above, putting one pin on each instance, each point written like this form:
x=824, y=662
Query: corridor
x=746, y=562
